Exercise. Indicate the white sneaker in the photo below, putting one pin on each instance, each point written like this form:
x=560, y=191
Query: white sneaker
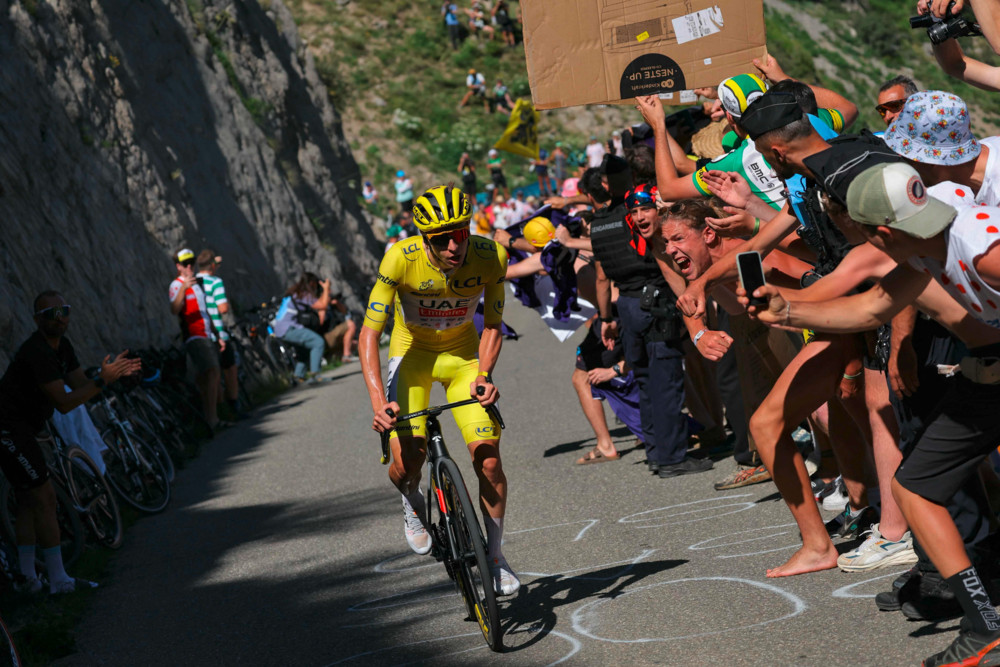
x=416, y=534
x=876, y=551
x=837, y=500
x=505, y=582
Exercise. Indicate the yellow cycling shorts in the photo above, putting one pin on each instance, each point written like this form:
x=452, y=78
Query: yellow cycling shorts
x=410, y=379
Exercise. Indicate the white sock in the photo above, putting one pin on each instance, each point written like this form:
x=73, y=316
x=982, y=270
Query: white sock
x=54, y=565
x=415, y=501
x=494, y=537
x=26, y=559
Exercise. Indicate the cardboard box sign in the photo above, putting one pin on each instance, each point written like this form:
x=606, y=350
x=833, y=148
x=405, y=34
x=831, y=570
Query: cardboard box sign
x=610, y=51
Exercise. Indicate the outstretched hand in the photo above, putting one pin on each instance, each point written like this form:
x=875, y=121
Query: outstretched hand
x=120, y=367
x=770, y=68
x=651, y=109
x=774, y=314
x=737, y=223
x=728, y=186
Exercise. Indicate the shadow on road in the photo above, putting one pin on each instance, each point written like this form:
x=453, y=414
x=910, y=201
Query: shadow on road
x=532, y=614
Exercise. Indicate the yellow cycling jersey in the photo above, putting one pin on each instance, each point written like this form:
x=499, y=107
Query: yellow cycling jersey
x=434, y=310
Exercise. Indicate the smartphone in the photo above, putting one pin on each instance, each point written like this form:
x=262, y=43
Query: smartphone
x=751, y=275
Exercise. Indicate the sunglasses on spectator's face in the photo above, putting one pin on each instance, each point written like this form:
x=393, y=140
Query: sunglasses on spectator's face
x=187, y=262
x=53, y=312
x=894, y=106
x=440, y=241
x=637, y=199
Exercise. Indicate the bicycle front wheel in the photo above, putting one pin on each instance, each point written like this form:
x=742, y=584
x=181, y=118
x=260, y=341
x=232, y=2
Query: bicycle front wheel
x=472, y=569
x=94, y=497
x=135, y=472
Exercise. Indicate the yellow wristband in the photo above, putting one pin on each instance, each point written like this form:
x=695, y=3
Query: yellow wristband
x=484, y=374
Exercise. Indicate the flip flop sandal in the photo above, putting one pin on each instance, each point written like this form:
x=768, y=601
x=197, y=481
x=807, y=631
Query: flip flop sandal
x=595, y=456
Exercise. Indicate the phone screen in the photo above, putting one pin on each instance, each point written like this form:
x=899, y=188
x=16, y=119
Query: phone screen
x=751, y=275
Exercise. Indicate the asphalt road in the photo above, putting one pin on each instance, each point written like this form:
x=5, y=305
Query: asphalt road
x=283, y=545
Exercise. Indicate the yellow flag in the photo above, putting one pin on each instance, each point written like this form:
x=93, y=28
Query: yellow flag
x=521, y=135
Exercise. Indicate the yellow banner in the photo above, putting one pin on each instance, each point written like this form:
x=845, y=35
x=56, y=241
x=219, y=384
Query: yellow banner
x=521, y=135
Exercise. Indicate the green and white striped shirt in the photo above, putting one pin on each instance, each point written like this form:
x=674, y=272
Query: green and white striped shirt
x=215, y=294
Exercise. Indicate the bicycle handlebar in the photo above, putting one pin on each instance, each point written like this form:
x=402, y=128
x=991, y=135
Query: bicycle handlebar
x=491, y=410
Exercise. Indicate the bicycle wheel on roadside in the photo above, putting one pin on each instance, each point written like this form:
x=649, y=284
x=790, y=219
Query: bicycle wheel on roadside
x=72, y=534
x=472, y=571
x=8, y=651
x=94, y=496
x=145, y=431
x=135, y=472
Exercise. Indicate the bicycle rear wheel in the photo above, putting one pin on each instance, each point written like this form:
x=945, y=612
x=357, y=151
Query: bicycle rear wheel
x=135, y=472
x=95, y=498
x=71, y=532
x=472, y=570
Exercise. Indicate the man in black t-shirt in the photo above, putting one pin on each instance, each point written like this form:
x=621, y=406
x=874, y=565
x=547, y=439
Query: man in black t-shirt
x=32, y=387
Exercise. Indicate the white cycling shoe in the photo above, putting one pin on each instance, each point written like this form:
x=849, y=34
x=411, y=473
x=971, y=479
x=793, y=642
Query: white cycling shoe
x=505, y=582
x=416, y=534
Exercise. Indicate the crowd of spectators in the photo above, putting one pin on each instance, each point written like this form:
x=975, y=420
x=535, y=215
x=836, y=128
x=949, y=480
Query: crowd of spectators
x=861, y=378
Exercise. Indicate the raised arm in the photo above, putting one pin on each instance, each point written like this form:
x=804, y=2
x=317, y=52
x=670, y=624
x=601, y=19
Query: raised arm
x=671, y=185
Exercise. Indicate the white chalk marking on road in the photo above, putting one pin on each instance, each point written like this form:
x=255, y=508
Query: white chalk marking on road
x=383, y=568
x=590, y=524
x=743, y=506
x=357, y=607
x=843, y=591
x=574, y=643
x=629, y=564
x=699, y=547
x=579, y=614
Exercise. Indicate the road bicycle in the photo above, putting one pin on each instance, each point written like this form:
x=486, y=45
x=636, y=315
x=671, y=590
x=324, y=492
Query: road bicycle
x=457, y=535
x=134, y=467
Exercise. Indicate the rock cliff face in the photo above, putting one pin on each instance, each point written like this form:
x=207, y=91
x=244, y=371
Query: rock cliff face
x=131, y=128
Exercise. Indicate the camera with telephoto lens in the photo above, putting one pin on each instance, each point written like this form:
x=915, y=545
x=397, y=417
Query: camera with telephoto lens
x=942, y=29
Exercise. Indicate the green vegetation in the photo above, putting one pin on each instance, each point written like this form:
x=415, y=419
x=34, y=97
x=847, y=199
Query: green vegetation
x=394, y=78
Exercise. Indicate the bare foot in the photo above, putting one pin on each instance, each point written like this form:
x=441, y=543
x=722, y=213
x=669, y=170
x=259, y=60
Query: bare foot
x=803, y=561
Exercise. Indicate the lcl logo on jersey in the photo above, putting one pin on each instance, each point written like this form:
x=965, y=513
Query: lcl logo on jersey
x=468, y=283
x=486, y=431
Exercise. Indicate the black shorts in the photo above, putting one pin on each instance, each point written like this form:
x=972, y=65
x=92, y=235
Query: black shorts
x=963, y=430
x=21, y=458
x=499, y=180
x=227, y=358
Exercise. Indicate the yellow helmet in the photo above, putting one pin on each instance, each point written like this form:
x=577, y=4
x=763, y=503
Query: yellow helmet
x=441, y=209
x=539, y=231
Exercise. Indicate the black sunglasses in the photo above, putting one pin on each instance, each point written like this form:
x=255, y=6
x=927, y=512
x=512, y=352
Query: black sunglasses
x=187, y=262
x=894, y=106
x=440, y=241
x=53, y=312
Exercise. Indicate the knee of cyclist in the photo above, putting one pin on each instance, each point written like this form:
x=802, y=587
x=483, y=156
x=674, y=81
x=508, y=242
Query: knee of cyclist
x=491, y=467
x=579, y=378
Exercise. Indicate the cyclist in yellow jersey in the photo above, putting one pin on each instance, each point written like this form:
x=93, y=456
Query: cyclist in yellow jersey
x=433, y=282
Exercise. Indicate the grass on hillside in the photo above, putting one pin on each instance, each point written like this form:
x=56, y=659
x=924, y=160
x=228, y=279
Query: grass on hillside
x=390, y=63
